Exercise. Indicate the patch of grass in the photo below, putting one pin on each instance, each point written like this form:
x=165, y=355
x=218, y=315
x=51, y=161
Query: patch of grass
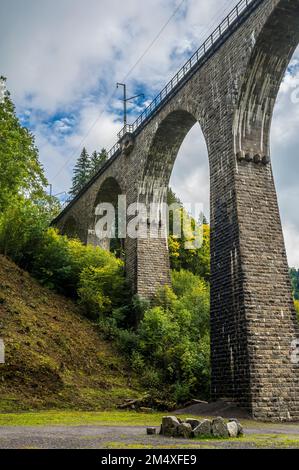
x=272, y=440
x=77, y=418
x=55, y=358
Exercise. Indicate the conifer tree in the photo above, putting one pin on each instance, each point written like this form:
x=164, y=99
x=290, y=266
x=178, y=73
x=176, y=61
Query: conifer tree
x=97, y=160
x=81, y=172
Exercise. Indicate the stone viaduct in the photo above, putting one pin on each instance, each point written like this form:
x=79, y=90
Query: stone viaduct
x=229, y=87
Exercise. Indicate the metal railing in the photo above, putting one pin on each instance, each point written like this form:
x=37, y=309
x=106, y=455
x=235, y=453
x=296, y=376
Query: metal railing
x=113, y=150
x=194, y=60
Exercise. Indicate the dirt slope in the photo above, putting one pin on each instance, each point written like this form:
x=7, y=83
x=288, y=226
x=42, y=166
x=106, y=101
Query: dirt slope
x=54, y=357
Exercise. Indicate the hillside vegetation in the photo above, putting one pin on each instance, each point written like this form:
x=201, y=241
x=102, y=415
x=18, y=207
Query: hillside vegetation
x=55, y=358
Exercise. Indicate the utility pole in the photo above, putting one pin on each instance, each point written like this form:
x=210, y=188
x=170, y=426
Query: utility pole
x=125, y=100
x=55, y=195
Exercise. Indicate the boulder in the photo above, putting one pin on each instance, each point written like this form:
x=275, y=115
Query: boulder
x=169, y=426
x=240, y=427
x=219, y=428
x=184, y=430
x=194, y=422
x=232, y=428
x=203, y=429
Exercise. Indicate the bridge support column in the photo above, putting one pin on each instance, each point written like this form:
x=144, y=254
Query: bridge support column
x=253, y=320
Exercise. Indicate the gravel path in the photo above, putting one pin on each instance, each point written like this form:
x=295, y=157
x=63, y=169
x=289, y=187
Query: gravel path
x=109, y=437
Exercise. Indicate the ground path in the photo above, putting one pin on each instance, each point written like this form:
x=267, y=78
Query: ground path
x=109, y=437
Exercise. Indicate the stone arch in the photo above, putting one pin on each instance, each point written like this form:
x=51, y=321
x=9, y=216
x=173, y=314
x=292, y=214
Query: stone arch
x=108, y=193
x=163, y=150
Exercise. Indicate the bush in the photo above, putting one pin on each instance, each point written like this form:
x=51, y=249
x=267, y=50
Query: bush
x=297, y=308
x=67, y=266
x=166, y=341
x=102, y=288
x=22, y=227
x=171, y=348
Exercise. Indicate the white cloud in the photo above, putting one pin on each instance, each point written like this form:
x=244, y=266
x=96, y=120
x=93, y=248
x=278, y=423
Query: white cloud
x=291, y=235
x=190, y=178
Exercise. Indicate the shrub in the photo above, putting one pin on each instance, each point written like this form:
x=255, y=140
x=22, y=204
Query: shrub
x=66, y=265
x=22, y=227
x=101, y=288
x=73, y=268
x=172, y=352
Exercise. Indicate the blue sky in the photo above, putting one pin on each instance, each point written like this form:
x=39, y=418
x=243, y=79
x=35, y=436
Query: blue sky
x=63, y=58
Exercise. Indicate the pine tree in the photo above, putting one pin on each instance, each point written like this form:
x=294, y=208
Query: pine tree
x=97, y=161
x=81, y=172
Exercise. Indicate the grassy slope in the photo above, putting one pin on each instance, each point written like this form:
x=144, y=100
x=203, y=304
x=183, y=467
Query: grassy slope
x=54, y=357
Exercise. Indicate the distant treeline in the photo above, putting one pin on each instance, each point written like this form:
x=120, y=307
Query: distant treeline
x=295, y=282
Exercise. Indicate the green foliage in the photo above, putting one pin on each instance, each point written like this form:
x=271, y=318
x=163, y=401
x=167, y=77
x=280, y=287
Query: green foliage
x=86, y=167
x=22, y=227
x=20, y=170
x=294, y=273
x=170, y=347
x=81, y=172
x=72, y=268
x=98, y=159
x=93, y=275
x=102, y=288
x=196, y=260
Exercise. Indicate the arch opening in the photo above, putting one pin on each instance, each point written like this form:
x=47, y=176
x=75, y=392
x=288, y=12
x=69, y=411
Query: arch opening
x=175, y=142
x=104, y=226
x=190, y=185
x=284, y=144
x=174, y=158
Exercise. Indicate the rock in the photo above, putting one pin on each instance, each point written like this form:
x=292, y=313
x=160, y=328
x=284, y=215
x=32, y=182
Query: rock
x=194, y=422
x=203, y=429
x=169, y=426
x=151, y=431
x=219, y=428
x=232, y=428
x=184, y=430
x=240, y=427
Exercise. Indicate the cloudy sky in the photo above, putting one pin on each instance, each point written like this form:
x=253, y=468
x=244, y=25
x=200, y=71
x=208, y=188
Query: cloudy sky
x=62, y=59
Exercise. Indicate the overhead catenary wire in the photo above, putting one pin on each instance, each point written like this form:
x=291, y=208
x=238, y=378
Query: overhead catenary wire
x=111, y=96
x=214, y=20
